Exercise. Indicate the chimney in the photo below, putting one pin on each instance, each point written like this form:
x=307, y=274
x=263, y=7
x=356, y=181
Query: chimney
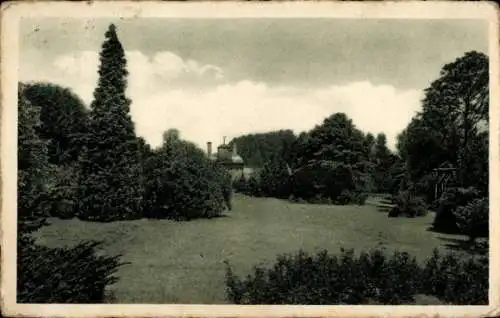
x=235, y=151
x=209, y=148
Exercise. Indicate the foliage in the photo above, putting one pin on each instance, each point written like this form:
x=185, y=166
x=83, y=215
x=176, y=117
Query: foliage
x=43, y=274
x=382, y=160
x=111, y=183
x=257, y=149
x=240, y=185
x=369, y=278
x=64, y=191
x=33, y=165
x=63, y=124
x=397, y=176
x=473, y=218
x=336, y=139
x=57, y=275
x=409, y=205
x=327, y=180
x=453, y=125
x=445, y=219
x=332, y=158
x=63, y=117
x=350, y=197
x=273, y=179
x=182, y=183
x=333, y=162
x=460, y=282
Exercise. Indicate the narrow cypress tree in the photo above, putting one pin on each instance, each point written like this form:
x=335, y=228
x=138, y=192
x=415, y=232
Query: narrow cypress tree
x=111, y=186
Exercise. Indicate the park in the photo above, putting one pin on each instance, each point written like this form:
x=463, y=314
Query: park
x=330, y=215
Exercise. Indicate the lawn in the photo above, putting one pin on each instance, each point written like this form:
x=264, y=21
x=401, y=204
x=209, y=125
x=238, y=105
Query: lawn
x=182, y=262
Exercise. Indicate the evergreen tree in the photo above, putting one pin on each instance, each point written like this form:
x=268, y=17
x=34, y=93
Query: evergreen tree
x=111, y=185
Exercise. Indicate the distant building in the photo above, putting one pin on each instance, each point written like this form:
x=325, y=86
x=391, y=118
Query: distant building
x=228, y=157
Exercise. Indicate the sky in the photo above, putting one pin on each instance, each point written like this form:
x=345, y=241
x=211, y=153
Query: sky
x=211, y=78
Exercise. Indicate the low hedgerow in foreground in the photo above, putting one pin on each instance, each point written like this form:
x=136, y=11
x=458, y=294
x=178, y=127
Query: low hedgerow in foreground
x=62, y=275
x=370, y=278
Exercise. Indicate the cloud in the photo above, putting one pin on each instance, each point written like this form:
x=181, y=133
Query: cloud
x=170, y=92
x=246, y=107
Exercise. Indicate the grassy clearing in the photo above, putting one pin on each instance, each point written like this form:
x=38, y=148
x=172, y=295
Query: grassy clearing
x=183, y=262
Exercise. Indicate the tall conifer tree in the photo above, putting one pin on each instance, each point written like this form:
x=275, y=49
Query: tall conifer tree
x=111, y=186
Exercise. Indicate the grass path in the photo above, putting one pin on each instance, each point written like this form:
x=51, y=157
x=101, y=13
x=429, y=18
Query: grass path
x=182, y=262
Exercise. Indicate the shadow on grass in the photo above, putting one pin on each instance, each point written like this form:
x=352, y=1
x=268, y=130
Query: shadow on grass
x=464, y=245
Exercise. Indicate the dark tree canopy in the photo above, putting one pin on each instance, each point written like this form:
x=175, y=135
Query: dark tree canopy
x=451, y=127
x=257, y=149
x=33, y=164
x=111, y=168
x=63, y=117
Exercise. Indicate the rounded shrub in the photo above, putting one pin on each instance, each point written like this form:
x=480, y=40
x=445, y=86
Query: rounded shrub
x=445, y=220
x=473, y=219
x=409, y=205
x=182, y=183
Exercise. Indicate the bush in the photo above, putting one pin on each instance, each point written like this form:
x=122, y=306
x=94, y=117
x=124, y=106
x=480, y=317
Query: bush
x=409, y=205
x=325, y=181
x=250, y=186
x=181, y=183
x=370, y=278
x=57, y=275
x=273, y=179
x=351, y=197
x=240, y=185
x=473, y=219
x=455, y=281
x=445, y=220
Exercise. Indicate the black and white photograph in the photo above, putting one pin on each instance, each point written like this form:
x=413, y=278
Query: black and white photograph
x=283, y=155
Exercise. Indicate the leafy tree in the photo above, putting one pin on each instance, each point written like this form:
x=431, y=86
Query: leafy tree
x=257, y=149
x=63, y=123
x=63, y=117
x=457, y=104
x=46, y=275
x=33, y=163
x=331, y=158
x=182, y=183
x=274, y=178
x=111, y=181
x=297, y=149
x=452, y=123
